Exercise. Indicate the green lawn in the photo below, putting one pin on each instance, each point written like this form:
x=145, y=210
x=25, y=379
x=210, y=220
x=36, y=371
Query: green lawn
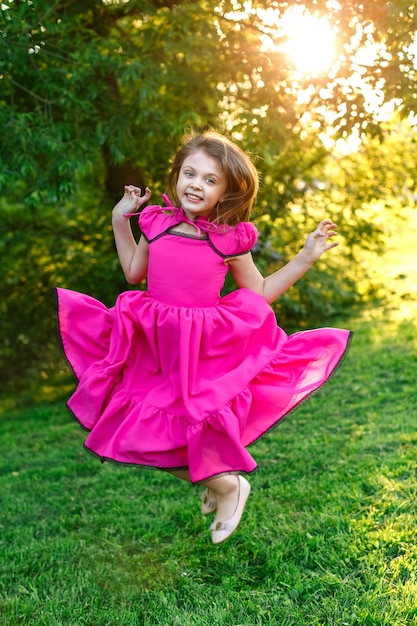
x=328, y=535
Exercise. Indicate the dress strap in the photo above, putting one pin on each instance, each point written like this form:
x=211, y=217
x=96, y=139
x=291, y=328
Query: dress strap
x=200, y=223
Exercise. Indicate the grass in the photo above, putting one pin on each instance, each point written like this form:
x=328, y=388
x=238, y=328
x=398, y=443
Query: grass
x=328, y=535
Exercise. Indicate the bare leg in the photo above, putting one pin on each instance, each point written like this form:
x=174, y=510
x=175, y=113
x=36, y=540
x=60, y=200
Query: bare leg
x=226, y=490
x=208, y=497
x=184, y=474
x=232, y=494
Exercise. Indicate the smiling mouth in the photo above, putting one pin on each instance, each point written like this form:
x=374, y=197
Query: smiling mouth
x=193, y=198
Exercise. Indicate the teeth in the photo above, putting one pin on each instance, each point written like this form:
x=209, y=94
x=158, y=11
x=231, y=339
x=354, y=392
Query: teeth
x=192, y=197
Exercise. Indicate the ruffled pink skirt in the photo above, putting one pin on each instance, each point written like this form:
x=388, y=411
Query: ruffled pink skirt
x=176, y=387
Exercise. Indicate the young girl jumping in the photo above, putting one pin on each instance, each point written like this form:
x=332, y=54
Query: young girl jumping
x=177, y=377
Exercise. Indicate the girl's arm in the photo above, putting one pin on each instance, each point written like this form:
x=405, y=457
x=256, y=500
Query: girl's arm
x=246, y=274
x=133, y=256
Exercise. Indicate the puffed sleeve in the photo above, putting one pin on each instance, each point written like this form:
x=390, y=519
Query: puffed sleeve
x=238, y=240
x=147, y=221
x=153, y=220
x=247, y=236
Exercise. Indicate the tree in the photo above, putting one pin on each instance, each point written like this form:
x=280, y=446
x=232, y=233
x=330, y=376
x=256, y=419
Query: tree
x=98, y=93
x=105, y=81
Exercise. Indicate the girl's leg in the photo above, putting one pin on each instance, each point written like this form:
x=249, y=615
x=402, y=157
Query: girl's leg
x=232, y=492
x=229, y=493
x=208, y=497
x=184, y=474
x=224, y=489
x=226, y=493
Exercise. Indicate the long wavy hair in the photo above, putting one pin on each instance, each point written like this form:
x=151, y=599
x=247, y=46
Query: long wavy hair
x=242, y=180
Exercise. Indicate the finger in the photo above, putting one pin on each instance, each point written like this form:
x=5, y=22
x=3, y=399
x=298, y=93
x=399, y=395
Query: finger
x=132, y=190
x=145, y=197
x=327, y=230
x=331, y=245
x=328, y=223
x=327, y=226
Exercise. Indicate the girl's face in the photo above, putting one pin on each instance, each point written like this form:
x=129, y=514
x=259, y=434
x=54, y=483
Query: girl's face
x=201, y=184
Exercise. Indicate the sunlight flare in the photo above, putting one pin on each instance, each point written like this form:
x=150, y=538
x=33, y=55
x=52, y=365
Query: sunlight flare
x=310, y=42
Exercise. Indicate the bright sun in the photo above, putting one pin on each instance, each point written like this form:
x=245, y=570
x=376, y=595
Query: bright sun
x=310, y=42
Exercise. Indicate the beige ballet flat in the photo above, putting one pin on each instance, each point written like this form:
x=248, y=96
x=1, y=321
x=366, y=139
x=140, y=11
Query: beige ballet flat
x=220, y=531
x=208, y=502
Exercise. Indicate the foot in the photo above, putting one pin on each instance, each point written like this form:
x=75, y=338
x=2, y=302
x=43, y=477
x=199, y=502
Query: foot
x=208, y=502
x=221, y=530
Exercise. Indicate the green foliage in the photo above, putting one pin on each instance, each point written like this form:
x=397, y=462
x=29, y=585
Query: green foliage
x=39, y=251
x=94, y=95
x=125, y=79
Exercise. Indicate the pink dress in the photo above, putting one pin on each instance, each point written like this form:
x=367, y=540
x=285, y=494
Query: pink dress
x=177, y=376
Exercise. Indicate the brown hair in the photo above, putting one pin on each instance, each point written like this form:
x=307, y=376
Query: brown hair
x=242, y=180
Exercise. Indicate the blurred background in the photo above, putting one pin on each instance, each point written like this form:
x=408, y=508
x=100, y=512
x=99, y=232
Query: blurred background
x=98, y=94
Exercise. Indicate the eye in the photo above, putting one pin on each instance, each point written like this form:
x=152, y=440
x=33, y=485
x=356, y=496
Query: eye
x=188, y=173
x=211, y=181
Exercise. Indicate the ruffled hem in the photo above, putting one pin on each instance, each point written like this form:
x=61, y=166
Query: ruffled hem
x=132, y=432
x=166, y=469
x=173, y=387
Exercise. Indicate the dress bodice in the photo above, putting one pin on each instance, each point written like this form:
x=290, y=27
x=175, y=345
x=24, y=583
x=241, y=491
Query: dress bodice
x=189, y=270
x=185, y=271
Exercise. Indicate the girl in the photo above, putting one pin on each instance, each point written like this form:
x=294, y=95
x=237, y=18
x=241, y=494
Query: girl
x=177, y=377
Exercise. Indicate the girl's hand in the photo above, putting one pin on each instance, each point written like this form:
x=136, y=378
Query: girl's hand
x=131, y=201
x=318, y=241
